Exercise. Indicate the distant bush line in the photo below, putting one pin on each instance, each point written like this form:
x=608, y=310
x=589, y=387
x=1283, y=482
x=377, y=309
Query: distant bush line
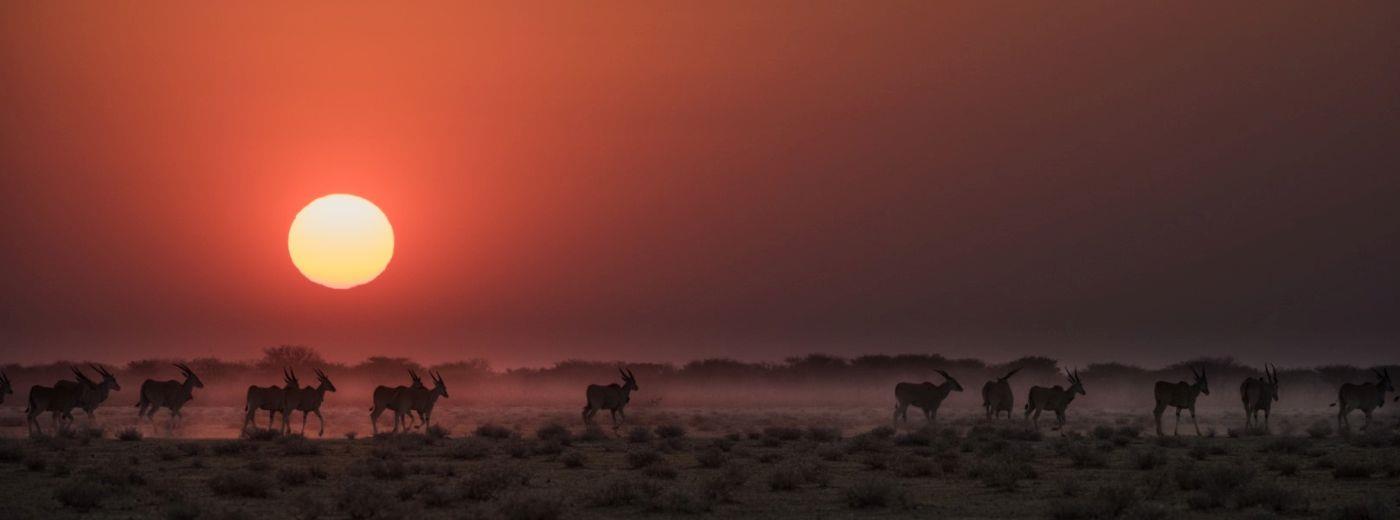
x=811, y=380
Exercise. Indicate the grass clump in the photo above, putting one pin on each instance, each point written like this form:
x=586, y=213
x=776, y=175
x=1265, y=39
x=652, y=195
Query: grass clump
x=83, y=493
x=637, y=459
x=554, y=432
x=670, y=431
x=722, y=486
x=493, y=431
x=129, y=435
x=622, y=491
x=361, y=500
x=469, y=449
x=639, y=435
x=1147, y=459
x=489, y=480
x=876, y=493
x=535, y=505
x=240, y=483
x=574, y=459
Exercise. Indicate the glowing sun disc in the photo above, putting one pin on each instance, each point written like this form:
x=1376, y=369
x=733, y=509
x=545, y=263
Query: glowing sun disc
x=341, y=241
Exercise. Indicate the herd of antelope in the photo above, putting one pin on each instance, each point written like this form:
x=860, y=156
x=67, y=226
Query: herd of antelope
x=1257, y=394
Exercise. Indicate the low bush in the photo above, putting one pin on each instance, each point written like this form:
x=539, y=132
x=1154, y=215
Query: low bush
x=574, y=459
x=639, y=435
x=680, y=501
x=876, y=493
x=783, y=433
x=660, y=470
x=1283, y=465
x=129, y=435
x=620, y=491
x=1147, y=459
x=721, y=486
x=472, y=448
x=670, y=431
x=534, y=505
x=913, y=466
x=1083, y=455
x=637, y=459
x=823, y=434
x=1320, y=429
x=710, y=457
x=1349, y=468
x=240, y=483
x=492, y=431
x=490, y=479
x=295, y=475
x=83, y=493
x=361, y=500
x=554, y=432
x=1271, y=496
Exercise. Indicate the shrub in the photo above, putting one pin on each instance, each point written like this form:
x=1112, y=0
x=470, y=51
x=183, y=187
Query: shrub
x=262, y=434
x=182, y=510
x=680, y=501
x=10, y=451
x=621, y=491
x=294, y=476
x=492, y=431
x=233, y=448
x=1269, y=495
x=531, y=506
x=381, y=469
x=574, y=459
x=670, y=431
x=554, y=432
x=637, y=459
x=1002, y=473
x=1370, y=509
x=490, y=480
x=823, y=434
x=783, y=433
x=298, y=446
x=35, y=463
x=437, y=432
x=240, y=483
x=1075, y=509
x=360, y=500
x=1287, y=445
x=1352, y=469
x=469, y=449
x=129, y=435
x=1284, y=466
x=710, y=457
x=519, y=449
x=873, y=493
x=868, y=443
x=1147, y=459
x=593, y=434
x=881, y=432
x=1083, y=455
x=1320, y=429
x=721, y=486
x=1114, y=499
x=660, y=470
x=83, y=493
x=911, y=466
x=1103, y=432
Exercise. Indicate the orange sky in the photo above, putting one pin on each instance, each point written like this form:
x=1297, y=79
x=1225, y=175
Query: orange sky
x=677, y=180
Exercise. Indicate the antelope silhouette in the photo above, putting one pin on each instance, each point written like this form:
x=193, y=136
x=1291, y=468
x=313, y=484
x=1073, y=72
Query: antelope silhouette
x=1182, y=396
x=925, y=396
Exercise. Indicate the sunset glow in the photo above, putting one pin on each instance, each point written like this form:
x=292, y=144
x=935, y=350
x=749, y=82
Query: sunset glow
x=341, y=241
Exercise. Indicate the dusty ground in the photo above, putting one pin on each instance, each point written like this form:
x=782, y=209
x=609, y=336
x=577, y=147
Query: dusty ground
x=804, y=463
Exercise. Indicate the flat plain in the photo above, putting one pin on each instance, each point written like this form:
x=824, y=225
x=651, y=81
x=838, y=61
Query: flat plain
x=542, y=463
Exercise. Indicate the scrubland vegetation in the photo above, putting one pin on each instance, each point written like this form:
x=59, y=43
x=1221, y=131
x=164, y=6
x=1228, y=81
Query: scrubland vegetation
x=537, y=463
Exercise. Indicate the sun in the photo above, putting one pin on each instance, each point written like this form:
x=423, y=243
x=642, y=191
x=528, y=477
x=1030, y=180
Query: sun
x=341, y=241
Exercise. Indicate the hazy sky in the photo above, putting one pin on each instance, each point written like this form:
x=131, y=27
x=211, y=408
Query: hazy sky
x=669, y=180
